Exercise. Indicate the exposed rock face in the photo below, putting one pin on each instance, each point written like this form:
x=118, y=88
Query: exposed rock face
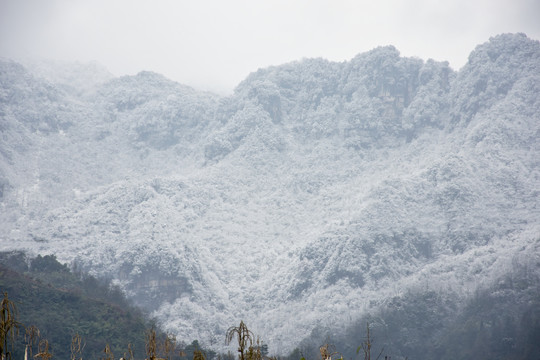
x=313, y=195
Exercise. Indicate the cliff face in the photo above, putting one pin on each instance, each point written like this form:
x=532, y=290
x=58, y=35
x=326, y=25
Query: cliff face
x=313, y=195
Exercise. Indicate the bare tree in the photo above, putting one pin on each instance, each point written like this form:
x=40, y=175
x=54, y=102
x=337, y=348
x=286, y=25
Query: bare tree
x=9, y=327
x=43, y=350
x=366, y=346
x=244, y=336
x=77, y=347
x=31, y=337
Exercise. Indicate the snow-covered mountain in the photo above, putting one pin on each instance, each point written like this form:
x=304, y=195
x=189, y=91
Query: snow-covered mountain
x=316, y=194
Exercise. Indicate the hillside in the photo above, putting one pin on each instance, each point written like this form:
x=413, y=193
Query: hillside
x=317, y=195
x=61, y=304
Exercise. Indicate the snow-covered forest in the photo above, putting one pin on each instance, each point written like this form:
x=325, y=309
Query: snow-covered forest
x=319, y=196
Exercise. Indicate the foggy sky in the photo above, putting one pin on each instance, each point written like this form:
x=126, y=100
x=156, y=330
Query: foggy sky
x=214, y=44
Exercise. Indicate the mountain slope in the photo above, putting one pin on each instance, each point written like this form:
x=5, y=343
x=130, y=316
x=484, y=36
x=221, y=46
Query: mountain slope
x=307, y=199
x=61, y=304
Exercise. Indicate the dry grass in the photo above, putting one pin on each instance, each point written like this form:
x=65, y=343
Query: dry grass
x=198, y=355
x=129, y=355
x=151, y=345
x=328, y=351
x=9, y=327
x=43, y=350
x=169, y=345
x=31, y=338
x=246, y=349
x=366, y=346
x=77, y=347
x=243, y=335
x=108, y=353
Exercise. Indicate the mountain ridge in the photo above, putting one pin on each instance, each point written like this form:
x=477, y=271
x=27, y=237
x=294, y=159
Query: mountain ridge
x=362, y=178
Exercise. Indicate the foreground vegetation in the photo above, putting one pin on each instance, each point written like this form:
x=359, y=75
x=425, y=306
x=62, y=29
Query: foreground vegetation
x=50, y=311
x=155, y=348
x=53, y=310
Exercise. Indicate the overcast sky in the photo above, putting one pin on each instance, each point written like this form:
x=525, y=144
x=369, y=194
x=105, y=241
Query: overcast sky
x=214, y=44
